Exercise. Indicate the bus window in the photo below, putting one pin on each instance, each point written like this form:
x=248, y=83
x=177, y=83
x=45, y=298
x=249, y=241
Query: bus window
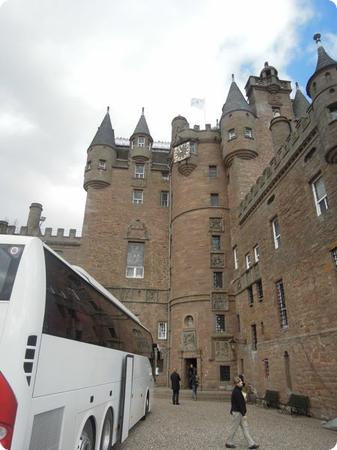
x=10, y=256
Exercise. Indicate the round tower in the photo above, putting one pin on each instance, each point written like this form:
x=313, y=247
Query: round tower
x=101, y=156
x=280, y=128
x=34, y=217
x=322, y=88
x=179, y=123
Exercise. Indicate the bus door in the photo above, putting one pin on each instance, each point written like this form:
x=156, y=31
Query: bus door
x=126, y=396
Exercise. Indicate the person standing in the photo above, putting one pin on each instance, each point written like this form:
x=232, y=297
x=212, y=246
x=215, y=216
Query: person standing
x=195, y=384
x=175, y=383
x=191, y=374
x=239, y=418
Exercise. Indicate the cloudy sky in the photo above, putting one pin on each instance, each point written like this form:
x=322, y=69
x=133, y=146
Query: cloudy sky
x=63, y=61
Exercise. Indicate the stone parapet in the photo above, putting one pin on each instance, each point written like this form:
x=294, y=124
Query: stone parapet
x=304, y=135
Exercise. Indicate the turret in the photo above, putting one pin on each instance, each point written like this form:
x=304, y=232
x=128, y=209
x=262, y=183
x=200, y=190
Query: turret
x=141, y=140
x=237, y=127
x=101, y=156
x=300, y=104
x=34, y=218
x=322, y=88
x=280, y=131
x=178, y=123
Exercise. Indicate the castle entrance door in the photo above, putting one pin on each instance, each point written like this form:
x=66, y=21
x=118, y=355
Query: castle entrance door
x=187, y=371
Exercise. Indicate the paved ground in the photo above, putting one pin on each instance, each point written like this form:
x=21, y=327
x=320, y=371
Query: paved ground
x=204, y=425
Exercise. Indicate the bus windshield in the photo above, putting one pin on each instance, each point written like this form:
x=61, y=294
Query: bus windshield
x=10, y=256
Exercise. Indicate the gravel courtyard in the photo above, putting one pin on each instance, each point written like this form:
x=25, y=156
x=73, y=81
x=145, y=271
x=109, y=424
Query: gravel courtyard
x=204, y=425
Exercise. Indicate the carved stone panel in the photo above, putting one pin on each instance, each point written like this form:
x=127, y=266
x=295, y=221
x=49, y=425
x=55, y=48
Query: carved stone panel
x=216, y=224
x=222, y=350
x=217, y=260
x=137, y=230
x=189, y=341
x=220, y=301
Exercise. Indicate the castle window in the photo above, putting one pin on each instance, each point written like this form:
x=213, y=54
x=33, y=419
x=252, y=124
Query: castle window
x=276, y=232
x=327, y=76
x=231, y=134
x=164, y=199
x=235, y=258
x=216, y=242
x=135, y=260
x=88, y=166
x=248, y=133
x=256, y=253
x=165, y=176
x=254, y=337
x=214, y=199
x=140, y=171
x=162, y=330
x=266, y=367
x=320, y=195
x=193, y=148
x=281, y=304
x=333, y=111
x=259, y=290
x=225, y=373
x=250, y=295
x=219, y=323
x=141, y=141
x=212, y=171
x=102, y=164
x=334, y=255
x=137, y=197
x=217, y=280
x=276, y=111
x=248, y=259
x=189, y=322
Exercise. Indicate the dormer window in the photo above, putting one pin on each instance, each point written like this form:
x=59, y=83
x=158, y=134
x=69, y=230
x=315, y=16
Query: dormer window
x=141, y=141
x=231, y=134
x=248, y=133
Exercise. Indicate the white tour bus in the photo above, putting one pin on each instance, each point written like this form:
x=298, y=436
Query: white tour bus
x=74, y=362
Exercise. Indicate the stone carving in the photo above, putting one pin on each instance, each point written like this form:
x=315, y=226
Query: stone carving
x=220, y=301
x=216, y=224
x=189, y=321
x=189, y=341
x=222, y=350
x=217, y=260
x=137, y=230
x=274, y=99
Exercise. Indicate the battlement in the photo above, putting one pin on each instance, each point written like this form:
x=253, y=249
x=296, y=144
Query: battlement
x=47, y=236
x=300, y=138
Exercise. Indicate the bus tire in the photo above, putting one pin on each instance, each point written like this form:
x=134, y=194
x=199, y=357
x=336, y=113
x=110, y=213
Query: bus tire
x=87, y=438
x=107, y=429
x=147, y=406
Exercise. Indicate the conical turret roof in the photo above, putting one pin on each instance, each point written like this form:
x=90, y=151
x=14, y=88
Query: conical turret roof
x=324, y=61
x=105, y=134
x=300, y=103
x=142, y=127
x=235, y=101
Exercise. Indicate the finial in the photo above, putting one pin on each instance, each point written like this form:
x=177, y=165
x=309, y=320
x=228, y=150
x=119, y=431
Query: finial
x=143, y=111
x=232, y=77
x=266, y=64
x=107, y=109
x=297, y=86
x=317, y=38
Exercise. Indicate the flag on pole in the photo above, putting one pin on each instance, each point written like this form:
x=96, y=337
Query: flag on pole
x=198, y=103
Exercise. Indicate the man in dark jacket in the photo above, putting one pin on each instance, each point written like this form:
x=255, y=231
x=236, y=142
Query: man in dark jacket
x=175, y=382
x=239, y=419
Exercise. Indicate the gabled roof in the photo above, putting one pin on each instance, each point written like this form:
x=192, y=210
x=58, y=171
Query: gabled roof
x=142, y=127
x=235, y=101
x=300, y=103
x=105, y=134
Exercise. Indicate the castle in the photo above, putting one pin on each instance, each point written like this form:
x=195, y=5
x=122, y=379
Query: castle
x=224, y=243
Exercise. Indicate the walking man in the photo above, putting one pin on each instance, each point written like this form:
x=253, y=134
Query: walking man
x=239, y=419
x=175, y=382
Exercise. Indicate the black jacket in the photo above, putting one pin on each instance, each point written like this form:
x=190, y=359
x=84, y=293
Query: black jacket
x=175, y=381
x=238, y=401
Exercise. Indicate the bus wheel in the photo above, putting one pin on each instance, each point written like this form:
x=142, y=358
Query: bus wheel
x=106, y=438
x=87, y=441
x=147, y=407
